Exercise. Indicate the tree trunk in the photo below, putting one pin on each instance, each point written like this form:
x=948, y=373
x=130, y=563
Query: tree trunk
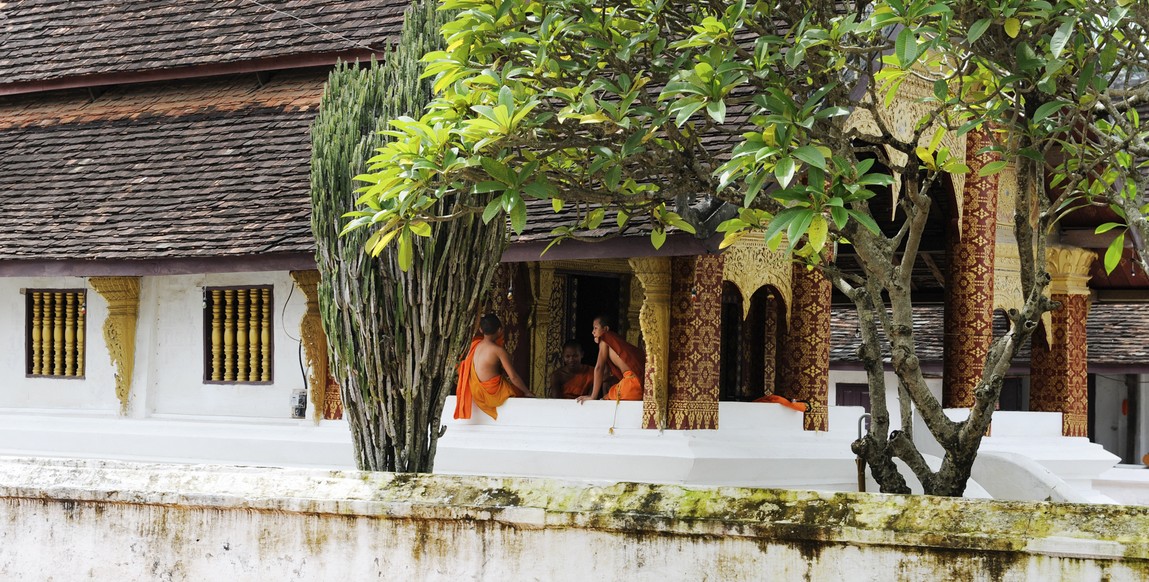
x=394, y=337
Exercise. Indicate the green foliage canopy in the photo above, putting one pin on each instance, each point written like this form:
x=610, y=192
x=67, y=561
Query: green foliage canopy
x=643, y=106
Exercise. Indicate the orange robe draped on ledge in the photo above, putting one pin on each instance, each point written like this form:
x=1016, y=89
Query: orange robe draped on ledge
x=775, y=399
x=487, y=395
x=630, y=385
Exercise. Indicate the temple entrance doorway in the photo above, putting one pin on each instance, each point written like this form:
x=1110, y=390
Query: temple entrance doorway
x=589, y=296
x=749, y=352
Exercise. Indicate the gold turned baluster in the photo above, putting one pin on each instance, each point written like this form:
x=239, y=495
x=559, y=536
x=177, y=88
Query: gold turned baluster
x=253, y=336
x=216, y=335
x=241, y=336
x=229, y=335
x=265, y=336
x=46, y=336
x=58, y=334
x=69, y=334
x=81, y=318
x=37, y=354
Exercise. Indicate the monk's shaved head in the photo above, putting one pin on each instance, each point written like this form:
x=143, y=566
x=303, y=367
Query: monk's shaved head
x=489, y=324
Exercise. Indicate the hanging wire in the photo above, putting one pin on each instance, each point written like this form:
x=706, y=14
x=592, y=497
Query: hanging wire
x=311, y=24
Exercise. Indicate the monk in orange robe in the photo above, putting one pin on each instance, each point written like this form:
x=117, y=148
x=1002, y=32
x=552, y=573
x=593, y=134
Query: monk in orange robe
x=481, y=374
x=625, y=361
x=574, y=378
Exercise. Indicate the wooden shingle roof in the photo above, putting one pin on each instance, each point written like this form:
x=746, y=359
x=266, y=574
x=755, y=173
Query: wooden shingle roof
x=42, y=40
x=1112, y=330
x=178, y=170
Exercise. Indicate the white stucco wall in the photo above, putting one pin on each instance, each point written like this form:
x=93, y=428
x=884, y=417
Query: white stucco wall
x=1110, y=425
x=859, y=377
x=71, y=520
x=94, y=393
x=1142, y=417
x=168, y=375
x=172, y=381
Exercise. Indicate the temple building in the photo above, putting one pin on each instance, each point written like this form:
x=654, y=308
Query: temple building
x=155, y=246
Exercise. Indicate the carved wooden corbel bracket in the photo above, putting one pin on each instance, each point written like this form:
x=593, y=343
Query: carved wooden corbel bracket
x=123, y=297
x=314, y=339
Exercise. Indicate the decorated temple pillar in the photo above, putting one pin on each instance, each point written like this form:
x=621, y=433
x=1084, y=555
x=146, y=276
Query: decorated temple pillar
x=123, y=297
x=1059, y=380
x=770, y=323
x=804, y=364
x=654, y=275
x=542, y=350
x=695, y=337
x=969, y=290
x=324, y=392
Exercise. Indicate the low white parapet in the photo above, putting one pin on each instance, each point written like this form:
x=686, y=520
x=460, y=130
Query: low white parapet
x=177, y=439
x=1128, y=484
x=103, y=520
x=755, y=444
x=1036, y=436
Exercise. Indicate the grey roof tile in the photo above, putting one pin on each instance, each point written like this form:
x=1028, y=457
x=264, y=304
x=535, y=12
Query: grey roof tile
x=52, y=39
x=1109, y=328
x=198, y=169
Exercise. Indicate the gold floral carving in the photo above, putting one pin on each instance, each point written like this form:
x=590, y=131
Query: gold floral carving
x=751, y=265
x=1007, y=292
x=1069, y=268
x=314, y=340
x=654, y=274
x=900, y=118
x=1006, y=199
x=123, y=297
x=542, y=281
x=634, y=313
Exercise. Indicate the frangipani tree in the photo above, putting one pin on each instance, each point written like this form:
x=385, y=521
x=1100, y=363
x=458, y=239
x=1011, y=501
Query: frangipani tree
x=671, y=110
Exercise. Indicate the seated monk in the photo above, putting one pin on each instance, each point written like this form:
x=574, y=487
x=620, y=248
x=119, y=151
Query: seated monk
x=481, y=373
x=574, y=378
x=624, y=360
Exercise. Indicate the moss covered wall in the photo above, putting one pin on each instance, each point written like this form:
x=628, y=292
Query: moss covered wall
x=103, y=520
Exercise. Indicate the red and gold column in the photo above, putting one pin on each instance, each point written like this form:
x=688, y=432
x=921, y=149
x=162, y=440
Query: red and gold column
x=970, y=282
x=804, y=363
x=770, y=321
x=1059, y=380
x=695, y=334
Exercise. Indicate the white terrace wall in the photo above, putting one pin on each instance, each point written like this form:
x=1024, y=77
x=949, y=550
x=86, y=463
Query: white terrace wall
x=168, y=376
x=893, y=403
x=69, y=520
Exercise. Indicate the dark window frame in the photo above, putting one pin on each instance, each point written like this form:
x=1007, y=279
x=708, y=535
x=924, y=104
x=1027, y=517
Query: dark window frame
x=206, y=335
x=28, y=315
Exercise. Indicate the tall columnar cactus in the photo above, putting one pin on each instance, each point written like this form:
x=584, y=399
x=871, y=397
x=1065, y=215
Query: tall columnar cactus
x=394, y=336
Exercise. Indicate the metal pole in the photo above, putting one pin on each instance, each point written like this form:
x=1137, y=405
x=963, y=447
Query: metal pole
x=861, y=462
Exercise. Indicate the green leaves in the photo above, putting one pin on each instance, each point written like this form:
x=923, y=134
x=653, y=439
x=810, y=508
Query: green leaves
x=784, y=171
x=977, y=29
x=1047, y=109
x=1012, y=27
x=992, y=168
x=1113, y=253
x=906, y=47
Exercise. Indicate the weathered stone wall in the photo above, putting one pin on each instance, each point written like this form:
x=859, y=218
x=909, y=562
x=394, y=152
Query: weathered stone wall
x=70, y=520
